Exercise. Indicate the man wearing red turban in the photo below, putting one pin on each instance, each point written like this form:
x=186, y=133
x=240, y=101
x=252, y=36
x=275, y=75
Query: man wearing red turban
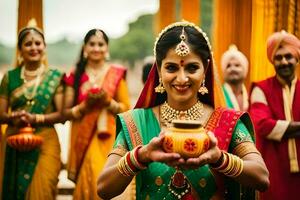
x=275, y=111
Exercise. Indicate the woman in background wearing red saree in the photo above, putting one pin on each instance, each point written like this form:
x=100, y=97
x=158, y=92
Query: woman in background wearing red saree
x=95, y=92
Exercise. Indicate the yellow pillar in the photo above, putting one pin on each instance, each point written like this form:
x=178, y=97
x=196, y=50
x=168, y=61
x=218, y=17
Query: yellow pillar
x=166, y=14
x=190, y=11
x=29, y=9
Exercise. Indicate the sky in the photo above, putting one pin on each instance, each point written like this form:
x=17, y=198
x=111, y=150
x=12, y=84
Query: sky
x=72, y=19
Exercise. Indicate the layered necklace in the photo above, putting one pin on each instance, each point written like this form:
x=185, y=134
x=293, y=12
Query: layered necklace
x=168, y=114
x=30, y=92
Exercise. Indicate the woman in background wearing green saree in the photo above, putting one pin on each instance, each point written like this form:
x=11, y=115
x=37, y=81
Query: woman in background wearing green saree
x=33, y=94
x=181, y=85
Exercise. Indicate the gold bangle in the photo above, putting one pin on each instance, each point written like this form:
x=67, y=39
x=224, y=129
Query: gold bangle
x=234, y=167
x=124, y=168
x=245, y=148
x=76, y=112
x=39, y=118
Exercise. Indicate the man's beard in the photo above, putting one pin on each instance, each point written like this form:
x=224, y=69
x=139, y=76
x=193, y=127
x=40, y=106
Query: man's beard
x=285, y=71
x=234, y=81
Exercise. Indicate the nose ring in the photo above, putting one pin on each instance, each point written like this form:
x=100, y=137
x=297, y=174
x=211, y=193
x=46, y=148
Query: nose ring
x=186, y=79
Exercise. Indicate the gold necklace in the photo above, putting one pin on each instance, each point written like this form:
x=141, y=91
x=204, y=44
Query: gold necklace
x=29, y=93
x=168, y=114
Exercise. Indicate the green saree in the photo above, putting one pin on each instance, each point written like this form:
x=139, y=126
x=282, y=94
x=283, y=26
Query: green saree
x=19, y=166
x=140, y=126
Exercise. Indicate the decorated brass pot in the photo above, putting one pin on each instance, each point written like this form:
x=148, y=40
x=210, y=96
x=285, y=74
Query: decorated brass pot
x=25, y=140
x=188, y=138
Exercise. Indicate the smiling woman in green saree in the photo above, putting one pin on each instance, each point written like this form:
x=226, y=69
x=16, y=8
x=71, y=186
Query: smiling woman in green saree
x=181, y=85
x=31, y=94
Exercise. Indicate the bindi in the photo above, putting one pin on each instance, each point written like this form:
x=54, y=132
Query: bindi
x=181, y=62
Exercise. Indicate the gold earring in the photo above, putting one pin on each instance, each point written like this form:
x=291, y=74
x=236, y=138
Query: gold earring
x=160, y=88
x=85, y=55
x=20, y=59
x=203, y=89
x=107, y=56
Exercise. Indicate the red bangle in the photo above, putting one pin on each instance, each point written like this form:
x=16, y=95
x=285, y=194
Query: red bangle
x=139, y=165
x=129, y=162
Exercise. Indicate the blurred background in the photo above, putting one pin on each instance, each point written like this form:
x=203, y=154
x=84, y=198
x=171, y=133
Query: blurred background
x=132, y=27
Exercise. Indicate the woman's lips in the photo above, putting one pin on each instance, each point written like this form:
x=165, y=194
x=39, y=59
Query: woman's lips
x=181, y=88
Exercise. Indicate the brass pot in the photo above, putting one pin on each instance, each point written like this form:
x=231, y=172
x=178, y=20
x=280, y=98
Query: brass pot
x=188, y=138
x=25, y=140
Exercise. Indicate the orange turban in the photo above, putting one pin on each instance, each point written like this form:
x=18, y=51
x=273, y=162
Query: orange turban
x=285, y=39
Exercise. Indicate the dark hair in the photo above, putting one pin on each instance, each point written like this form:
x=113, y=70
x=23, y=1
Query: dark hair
x=146, y=70
x=198, y=44
x=26, y=31
x=81, y=63
x=171, y=38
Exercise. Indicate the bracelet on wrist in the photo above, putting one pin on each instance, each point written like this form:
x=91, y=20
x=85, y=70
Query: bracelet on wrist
x=219, y=161
x=129, y=164
x=39, y=118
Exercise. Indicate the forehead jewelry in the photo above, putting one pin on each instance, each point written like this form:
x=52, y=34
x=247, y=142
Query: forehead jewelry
x=98, y=33
x=182, y=49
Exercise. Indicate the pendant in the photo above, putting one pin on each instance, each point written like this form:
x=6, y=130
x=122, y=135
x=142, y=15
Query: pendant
x=178, y=179
x=179, y=185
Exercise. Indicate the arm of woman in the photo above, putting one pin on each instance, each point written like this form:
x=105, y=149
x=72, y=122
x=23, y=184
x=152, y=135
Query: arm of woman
x=106, y=184
x=68, y=102
x=4, y=117
x=246, y=165
x=121, y=103
x=50, y=117
x=255, y=173
x=111, y=174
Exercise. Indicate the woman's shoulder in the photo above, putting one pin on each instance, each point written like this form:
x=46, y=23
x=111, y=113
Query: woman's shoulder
x=54, y=70
x=69, y=77
x=117, y=66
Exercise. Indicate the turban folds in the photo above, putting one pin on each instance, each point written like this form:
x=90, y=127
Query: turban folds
x=233, y=52
x=282, y=38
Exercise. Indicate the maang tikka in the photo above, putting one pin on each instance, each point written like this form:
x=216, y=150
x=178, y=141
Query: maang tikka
x=182, y=49
x=160, y=88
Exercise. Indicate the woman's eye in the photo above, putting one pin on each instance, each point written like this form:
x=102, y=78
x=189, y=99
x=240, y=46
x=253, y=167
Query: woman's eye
x=27, y=44
x=171, y=68
x=192, y=68
x=100, y=44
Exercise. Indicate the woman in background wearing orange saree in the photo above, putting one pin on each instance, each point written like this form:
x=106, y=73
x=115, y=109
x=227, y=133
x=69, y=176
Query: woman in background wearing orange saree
x=95, y=92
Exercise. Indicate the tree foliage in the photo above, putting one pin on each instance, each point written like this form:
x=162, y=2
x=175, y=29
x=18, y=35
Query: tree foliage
x=137, y=43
